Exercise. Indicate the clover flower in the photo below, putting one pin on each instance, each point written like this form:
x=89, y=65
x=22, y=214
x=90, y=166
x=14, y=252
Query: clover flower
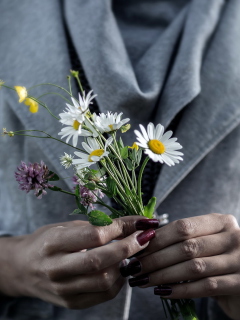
x=33, y=176
x=158, y=146
x=89, y=197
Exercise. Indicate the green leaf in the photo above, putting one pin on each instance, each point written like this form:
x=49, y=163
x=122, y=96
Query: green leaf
x=90, y=185
x=112, y=187
x=55, y=188
x=76, y=211
x=124, y=152
x=139, y=156
x=150, y=207
x=125, y=128
x=54, y=176
x=120, y=143
x=99, y=218
x=129, y=164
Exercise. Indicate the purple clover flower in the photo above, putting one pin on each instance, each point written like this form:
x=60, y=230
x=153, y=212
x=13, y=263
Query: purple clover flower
x=33, y=177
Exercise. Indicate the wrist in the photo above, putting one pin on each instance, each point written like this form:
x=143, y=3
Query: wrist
x=11, y=267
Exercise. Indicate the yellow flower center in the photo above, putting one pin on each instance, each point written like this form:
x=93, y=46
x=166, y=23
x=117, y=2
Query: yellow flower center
x=156, y=146
x=76, y=124
x=97, y=153
x=111, y=126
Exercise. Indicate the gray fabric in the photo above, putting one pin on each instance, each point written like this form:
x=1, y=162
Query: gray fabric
x=153, y=57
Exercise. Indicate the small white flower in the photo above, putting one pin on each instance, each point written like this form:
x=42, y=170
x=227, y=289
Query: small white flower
x=158, y=146
x=84, y=101
x=109, y=122
x=66, y=160
x=94, y=153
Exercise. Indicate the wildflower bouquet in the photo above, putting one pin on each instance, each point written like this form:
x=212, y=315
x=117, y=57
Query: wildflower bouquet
x=102, y=165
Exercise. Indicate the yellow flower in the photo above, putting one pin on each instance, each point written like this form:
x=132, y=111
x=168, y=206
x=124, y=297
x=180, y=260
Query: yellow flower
x=134, y=146
x=22, y=93
x=1, y=83
x=33, y=105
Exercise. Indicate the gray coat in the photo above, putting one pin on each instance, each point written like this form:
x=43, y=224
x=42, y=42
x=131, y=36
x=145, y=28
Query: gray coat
x=197, y=68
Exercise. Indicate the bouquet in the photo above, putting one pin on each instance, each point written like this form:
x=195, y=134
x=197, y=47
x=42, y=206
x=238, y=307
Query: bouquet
x=102, y=165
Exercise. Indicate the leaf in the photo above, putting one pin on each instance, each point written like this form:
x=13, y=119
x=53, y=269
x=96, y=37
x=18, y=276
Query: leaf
x=150, y=208
x=125, y=128
x=55, y=188
x=53, y=176
x=124, y=152
x=99, y=218
x=112, y=187
x=121, y=144
x=76, y=211
x=90, y=185
x=129, y=164
x=139, y=156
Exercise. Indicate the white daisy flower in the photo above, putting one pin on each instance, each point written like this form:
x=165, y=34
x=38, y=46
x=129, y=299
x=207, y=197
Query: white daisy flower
x=109, y=122
x=74, y=128
x=158, y=146
x=84, y=102
x=94, y=153
x=66, y=160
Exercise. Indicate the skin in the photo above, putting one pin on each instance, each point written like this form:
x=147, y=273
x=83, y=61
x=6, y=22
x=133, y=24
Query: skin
x=203, y=249
x=53, y=265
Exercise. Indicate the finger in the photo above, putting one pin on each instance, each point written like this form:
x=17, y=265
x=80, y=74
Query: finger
x=207, y=287
x=87, y=236
x=87, y=300
x=191, y=270
x=83, y=300
x=68, y=224
x=98, y=282
x=189, y=249
x=188, y=228
x=100, y=258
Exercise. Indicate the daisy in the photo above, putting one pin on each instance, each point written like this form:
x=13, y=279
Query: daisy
x=158, y=146
x=82, y=105
x=66, y=160
x=93, y=154
x=109, y=122
x=73, y=129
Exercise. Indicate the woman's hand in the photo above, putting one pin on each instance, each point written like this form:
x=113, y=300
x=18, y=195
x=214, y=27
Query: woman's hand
x=202, y=251
x=53, y=264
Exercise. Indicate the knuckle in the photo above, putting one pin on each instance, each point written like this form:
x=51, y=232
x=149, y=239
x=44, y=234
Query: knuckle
x=93, y=263
x=97, y=237
x=190, y=248
x=230, y=221
x=184, y=228
x=104, y=281
x=210, y=286
x=197, y=266
x=235, y=239
x=126, y=250
x=59, y=289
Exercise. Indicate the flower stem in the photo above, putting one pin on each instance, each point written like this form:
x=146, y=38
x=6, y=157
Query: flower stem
x=140, y=179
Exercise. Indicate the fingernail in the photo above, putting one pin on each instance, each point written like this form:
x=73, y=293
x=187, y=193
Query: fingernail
x=138, y=281
x=145, y=224
x=145, y=236
x=132, y=268
x=163, y=291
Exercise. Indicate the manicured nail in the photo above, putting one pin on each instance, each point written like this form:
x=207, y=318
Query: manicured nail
x=132, y=268
x=139, y=281
x=163, y=291
x=145, y=236
x=145, y=224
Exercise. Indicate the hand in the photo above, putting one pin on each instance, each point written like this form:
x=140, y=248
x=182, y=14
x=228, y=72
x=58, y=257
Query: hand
x=53, y=265
x=204, y=251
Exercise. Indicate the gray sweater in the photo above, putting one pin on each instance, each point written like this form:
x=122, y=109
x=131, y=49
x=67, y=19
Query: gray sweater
x=150, y=60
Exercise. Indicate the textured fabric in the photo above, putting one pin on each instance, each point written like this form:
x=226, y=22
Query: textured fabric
x=148, y=59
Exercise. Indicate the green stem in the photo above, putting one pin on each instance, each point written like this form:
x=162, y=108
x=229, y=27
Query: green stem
x=58, y=94
x=69, y=84
x=45, y=106
x=50, y=84
x=79, y=83
x=63, y=191
x=140, y=179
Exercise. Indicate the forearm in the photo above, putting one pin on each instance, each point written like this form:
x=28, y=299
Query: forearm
x=10, y=273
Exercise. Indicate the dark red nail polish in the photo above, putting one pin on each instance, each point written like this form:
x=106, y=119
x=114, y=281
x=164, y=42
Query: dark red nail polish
x=132, y=268
x=139, y=281
x=163, y=291
x=145, y=236
x=145, y=224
